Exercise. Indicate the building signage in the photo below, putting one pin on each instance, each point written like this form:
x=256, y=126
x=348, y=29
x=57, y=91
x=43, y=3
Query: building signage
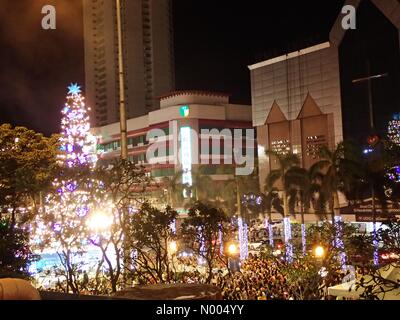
x=186, y=157
x=364, y=211
x=184, y=111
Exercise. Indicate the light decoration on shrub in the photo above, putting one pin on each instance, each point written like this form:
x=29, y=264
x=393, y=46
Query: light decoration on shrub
x=303, y=238
x=288, y=239
x=243, y=239
x=173, y=226
x=201, y=259
x=221, y=241
x=394, y=174
x=375, y=243
x=339, y=240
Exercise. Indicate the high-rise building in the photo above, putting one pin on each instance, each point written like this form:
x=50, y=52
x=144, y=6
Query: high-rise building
x=148, y=56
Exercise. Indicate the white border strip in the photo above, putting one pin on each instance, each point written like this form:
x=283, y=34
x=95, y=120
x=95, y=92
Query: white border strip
x=291, y=55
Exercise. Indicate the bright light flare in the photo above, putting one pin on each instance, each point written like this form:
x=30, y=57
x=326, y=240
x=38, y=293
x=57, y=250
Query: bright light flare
x=173, y=247
x=319, y=252
x=100, y=221
x=232, y=249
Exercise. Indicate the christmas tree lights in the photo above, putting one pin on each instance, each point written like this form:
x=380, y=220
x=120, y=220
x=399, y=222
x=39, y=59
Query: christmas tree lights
x=78, y=145
x=77, y=213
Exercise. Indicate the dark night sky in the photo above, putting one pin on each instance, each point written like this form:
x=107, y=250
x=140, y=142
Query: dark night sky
x=214, y=43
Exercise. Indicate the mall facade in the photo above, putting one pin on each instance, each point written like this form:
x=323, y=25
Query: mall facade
x=191, y=129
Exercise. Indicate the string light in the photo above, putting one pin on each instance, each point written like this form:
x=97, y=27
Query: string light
x=221, y=243
x=339, y=244
x=376, y=246
x=75, y=215
x=243, y=239
x=303, y=238
x=78, y=145
x=288, y=237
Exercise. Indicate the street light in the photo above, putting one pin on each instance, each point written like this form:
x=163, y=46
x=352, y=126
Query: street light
x=100, y=221
x=173, y=247
x=232, y=249
x=319, y=252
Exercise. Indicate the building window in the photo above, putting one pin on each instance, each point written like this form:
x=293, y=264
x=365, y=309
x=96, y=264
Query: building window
x=314, y=144
x=159, y=173
x=281, y=147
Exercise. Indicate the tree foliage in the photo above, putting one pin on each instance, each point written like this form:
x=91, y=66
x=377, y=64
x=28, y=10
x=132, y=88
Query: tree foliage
x=152, y=235
x=28, y=163
x=15, y=253
x=202, y=230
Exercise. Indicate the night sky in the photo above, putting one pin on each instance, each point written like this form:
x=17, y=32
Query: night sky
x=214, y=43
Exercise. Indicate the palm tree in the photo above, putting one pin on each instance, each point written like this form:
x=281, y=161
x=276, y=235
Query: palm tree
x=340, y=169
x=234, y=190
x=303, y=188
x=202, y=185
x=271, y=201
x=285, y=163
x=174, y=188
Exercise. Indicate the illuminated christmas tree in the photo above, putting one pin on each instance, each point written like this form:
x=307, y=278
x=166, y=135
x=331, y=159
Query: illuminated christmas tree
x=77, y=143
x=394, y=129
x=70, y=211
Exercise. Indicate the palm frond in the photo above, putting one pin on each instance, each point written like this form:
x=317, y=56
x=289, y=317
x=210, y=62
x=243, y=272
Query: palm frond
x=271, y=179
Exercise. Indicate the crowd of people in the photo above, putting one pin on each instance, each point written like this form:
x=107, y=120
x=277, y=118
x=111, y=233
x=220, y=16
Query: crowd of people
x=262, y=279
x=258, y=280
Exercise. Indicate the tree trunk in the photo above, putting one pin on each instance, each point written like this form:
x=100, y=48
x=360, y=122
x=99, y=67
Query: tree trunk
x=336, y=205
x=285, y=205
x=270, y=231
x=238, y=202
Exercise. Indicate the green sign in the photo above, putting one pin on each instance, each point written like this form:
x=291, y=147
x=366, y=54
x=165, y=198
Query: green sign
x=184, y=111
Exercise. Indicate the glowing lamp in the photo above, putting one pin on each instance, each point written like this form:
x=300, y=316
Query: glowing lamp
x=319, y=252
x=100, y=221
x=232, y=249
x=173, y=247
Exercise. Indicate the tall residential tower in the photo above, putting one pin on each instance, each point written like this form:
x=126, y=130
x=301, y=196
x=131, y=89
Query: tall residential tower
x=148, y=56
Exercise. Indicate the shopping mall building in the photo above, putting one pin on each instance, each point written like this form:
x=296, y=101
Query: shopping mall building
x=191, y=129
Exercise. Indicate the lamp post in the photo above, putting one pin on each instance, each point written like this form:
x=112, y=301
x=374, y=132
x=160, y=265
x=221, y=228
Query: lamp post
x=122, y=107
x=124, y=139
x=233, y=257
x=369, y=80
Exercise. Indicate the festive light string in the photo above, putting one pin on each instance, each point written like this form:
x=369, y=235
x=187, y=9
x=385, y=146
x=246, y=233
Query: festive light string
x=221, y=242
x=78, y=145
x=376, y=245
x=76, y=210
x=288, y=237
x=243, y=239
x=303, y=238
x=339, y=244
